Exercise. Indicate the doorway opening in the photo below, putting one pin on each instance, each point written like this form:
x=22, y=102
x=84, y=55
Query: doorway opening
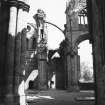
x=86, y=76
x=52, y=81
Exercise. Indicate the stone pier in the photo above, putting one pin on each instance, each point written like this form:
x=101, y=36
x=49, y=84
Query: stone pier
x=72, y=70
x=10, y=58
x=11, y=50
x=42, y=67
x=96, y=11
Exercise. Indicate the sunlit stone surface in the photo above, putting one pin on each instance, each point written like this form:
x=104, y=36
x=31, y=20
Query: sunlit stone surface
x=12, y=21
x=21, y=92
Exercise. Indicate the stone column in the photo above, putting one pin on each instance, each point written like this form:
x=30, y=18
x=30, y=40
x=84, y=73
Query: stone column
x=23, y=48
x=25, y=9
x=68, y=58
x=17, y=64
x=17, y=58
x=78, y=67
x=72, y=71
x=76, y=71
x=20, y=48
x=66, y=73
x=22, y=68
x=4, y=20
x=42, y=67
x=60, y=73
x=97, y=12
x=9, y=99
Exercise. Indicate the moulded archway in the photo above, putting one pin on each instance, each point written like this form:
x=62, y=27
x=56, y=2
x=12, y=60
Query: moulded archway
x=80, y=39
x=90, y=83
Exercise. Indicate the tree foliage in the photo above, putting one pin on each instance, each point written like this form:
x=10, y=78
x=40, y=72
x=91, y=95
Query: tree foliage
x=86, y=72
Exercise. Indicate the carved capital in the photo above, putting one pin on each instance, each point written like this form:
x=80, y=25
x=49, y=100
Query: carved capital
x=26, y=7
x=23, y=5
x=12, y=3
x=72, y=52
x=42, y=49
x=18, y=4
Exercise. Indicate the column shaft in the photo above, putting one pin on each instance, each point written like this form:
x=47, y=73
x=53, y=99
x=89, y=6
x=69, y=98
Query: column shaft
x=72, y=63
x=23, y=49
x=20, y=20
x=98, y=13
x=76, y=67
x=20, y=53
x=18, y=72
x=4, y=19
x=42, y=67
x=69, y=71
x=10, y=56
x=17, y=63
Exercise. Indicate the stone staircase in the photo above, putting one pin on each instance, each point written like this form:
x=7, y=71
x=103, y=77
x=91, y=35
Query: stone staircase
x=31, y=63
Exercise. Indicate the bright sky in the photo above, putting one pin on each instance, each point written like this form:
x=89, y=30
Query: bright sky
x=85, y=52
x=55, y=13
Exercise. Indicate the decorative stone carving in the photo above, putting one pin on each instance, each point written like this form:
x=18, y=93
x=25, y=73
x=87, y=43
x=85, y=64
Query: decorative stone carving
x=42, y=46
x=39, y=17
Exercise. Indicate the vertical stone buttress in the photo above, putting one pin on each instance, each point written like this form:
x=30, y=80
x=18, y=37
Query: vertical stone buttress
x=96, y=11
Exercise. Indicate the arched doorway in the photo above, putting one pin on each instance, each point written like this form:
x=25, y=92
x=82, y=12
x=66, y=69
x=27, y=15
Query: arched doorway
x=56, y=72
x=85, y=73
x=86, y=76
